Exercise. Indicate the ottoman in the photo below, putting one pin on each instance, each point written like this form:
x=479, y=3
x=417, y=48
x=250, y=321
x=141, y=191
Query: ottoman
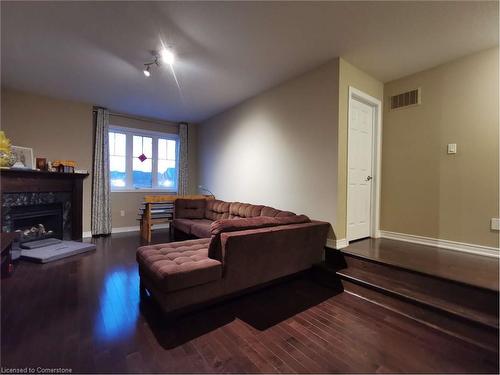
x=178, y=265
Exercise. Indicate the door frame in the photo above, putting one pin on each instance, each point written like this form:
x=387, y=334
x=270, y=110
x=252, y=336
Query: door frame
x=376, y=104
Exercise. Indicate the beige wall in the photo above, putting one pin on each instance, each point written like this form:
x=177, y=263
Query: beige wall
x=61, y=129
x=425, y=191
x=349, y=75
x=287, y=148
x=55, y=129
x=278, y=148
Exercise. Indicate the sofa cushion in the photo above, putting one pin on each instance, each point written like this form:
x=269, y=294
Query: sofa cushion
x=179, y=265
x=183, y=225
x=216, y=209
x=273, y=212
x=243, y=210
x=201, y=228
x=190, y=208
x=269, y=211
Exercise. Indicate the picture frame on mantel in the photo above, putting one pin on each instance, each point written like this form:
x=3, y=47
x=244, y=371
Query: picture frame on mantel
x=41, y=164
x=24, y=157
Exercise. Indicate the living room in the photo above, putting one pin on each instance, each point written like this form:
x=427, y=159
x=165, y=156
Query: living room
x=259, y=187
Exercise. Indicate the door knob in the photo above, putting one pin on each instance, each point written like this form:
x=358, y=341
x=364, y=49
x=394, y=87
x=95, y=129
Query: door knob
x=369, y=178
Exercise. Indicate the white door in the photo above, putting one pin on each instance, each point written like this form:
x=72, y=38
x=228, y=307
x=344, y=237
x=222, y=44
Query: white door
x=360, y=177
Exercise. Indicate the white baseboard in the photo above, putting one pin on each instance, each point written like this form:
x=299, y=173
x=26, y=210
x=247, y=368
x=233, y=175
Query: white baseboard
x=445, y=244
x=128, y=229
x=336, y=244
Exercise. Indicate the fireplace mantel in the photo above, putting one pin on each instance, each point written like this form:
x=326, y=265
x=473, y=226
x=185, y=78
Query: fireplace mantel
x=32, y=181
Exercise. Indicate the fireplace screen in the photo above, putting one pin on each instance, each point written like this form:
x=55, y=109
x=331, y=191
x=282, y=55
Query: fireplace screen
x=37, y=222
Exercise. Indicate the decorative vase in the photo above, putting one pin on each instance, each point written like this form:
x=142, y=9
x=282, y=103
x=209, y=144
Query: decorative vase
x=7, y=158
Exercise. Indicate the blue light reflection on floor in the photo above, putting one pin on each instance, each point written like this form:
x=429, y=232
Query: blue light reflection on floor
x=119, y=305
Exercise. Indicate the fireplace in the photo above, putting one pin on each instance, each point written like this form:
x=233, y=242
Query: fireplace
x=53, y=199
x=23, y=211
x=36, y=222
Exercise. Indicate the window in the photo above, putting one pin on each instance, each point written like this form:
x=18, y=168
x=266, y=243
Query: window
x=117, y=162
x=142, y=160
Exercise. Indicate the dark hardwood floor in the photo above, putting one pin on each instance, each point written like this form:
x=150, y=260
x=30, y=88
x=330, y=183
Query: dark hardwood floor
x=84, y=313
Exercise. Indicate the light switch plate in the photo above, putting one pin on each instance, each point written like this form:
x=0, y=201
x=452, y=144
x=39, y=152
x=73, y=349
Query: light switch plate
x=122, y=212
x=452, y=148
x=495, y=224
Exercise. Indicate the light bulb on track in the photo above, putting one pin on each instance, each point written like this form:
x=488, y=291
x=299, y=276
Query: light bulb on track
x=146, y=71
x=167, y=56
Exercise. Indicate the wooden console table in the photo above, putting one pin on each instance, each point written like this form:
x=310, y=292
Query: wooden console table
x=148, y=217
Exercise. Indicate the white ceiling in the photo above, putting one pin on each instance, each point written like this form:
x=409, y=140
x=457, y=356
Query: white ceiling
x=227, y=51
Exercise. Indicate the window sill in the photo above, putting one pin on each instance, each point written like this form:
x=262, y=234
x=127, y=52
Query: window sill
x=150, y=190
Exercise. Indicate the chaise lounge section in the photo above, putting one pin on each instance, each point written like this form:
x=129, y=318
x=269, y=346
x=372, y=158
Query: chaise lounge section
x=238, y=249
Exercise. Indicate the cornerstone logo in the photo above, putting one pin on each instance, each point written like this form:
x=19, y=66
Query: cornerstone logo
x=35, y=370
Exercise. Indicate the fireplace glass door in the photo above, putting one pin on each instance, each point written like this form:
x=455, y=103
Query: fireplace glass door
x=37, y=222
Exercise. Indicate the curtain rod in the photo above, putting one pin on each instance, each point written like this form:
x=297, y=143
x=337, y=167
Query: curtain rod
x=132, y=117
x=146, y=119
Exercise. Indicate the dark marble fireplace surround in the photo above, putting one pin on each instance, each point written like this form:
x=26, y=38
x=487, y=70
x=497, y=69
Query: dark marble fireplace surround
x=41, y=191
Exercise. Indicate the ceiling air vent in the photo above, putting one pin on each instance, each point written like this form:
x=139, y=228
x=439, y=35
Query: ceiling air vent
x=405, y=99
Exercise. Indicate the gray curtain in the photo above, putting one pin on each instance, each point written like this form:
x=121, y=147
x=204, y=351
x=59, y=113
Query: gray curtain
x=101, y=207
x=182, y=188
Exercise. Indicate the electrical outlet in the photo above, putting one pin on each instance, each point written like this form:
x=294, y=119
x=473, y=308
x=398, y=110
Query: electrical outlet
x=495, y=224
x=122, y=212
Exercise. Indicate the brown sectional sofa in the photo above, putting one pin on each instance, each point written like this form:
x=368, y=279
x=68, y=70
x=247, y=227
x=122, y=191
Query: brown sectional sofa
x=237, y=246
x=192, y=218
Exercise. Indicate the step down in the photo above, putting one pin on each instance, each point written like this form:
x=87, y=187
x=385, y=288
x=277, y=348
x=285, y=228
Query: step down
x=482, y=336
x=465, y=311
x=427, y=296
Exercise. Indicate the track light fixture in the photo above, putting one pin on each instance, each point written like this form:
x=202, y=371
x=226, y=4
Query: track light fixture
x=147, y=66
x=166, y=55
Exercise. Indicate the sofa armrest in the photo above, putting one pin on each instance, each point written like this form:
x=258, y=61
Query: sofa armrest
x=236, y=225
x=255, y=256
